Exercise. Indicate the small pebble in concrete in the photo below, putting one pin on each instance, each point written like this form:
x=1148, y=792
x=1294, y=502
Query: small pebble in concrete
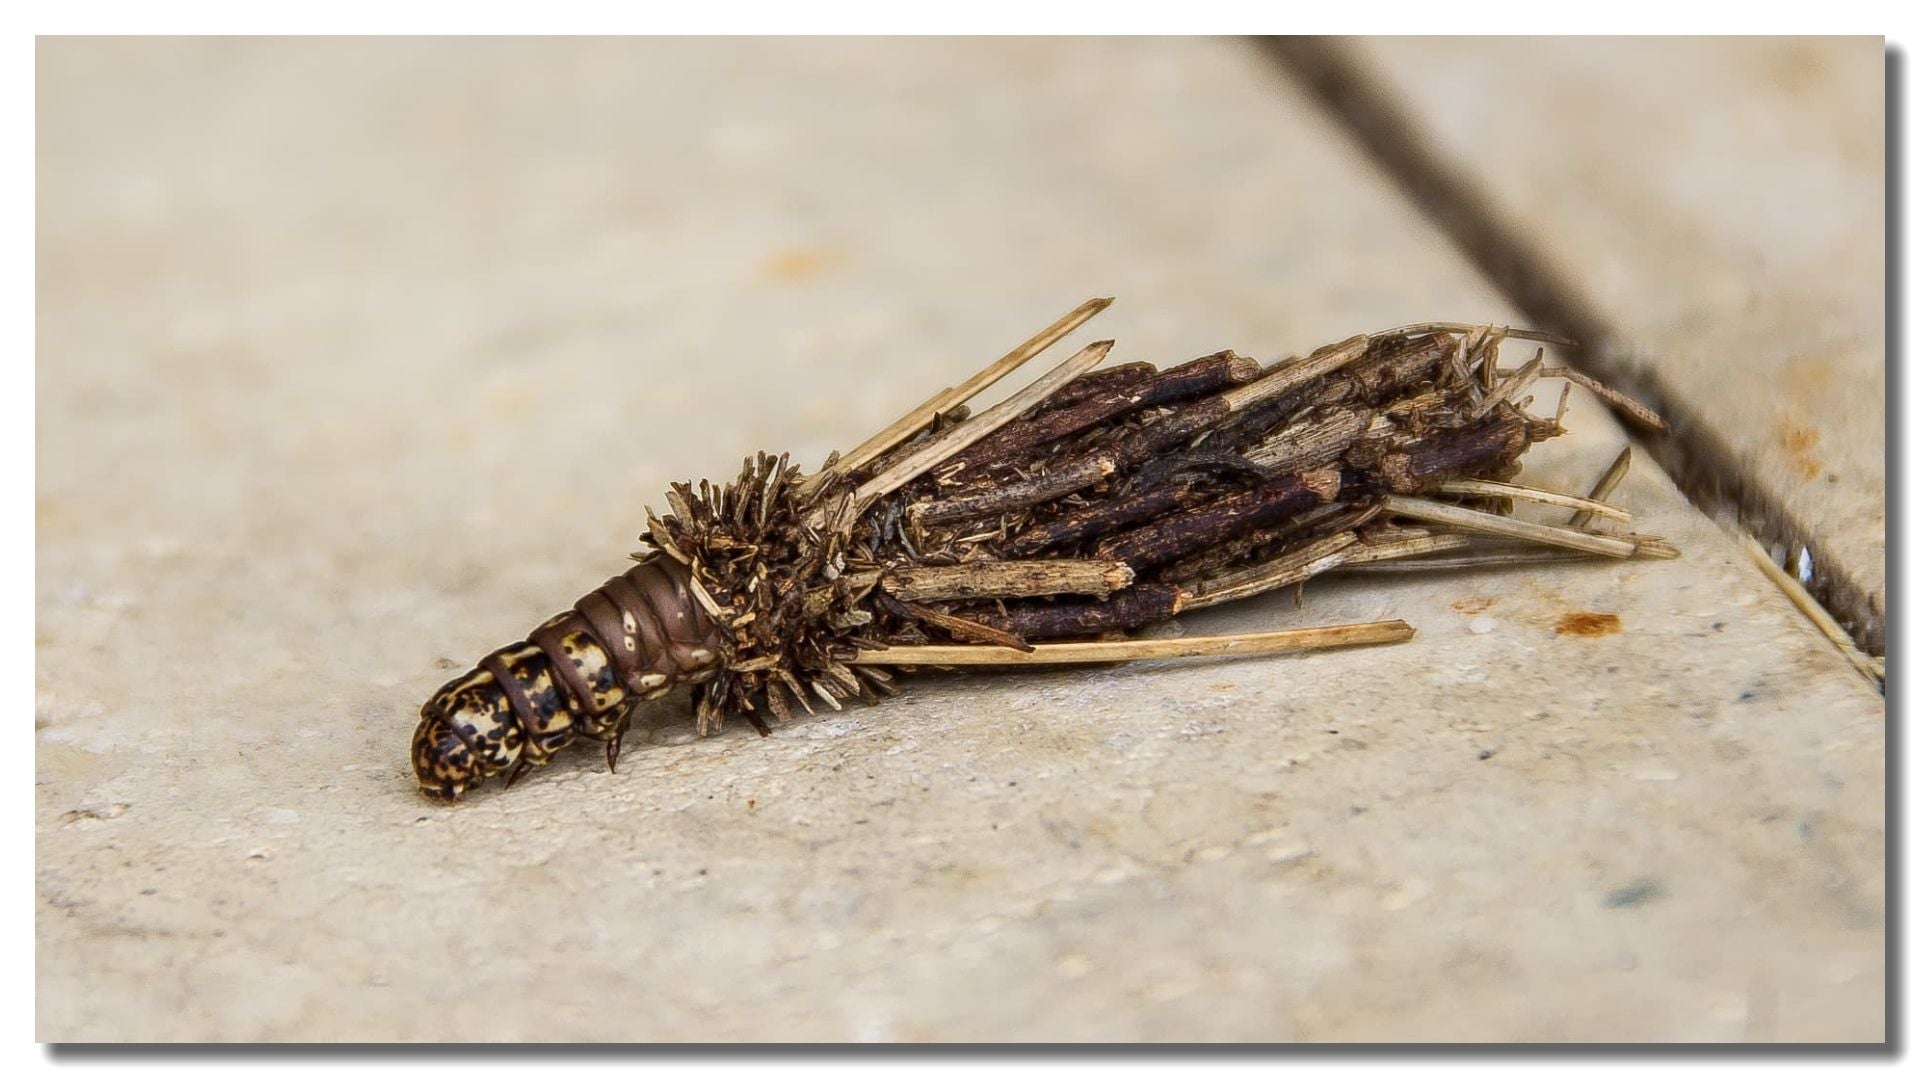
x=1637, y=893
x=1481, y=626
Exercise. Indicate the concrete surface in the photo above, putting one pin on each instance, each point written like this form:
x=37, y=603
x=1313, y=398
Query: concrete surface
x=1720, y=205
x=358, y=358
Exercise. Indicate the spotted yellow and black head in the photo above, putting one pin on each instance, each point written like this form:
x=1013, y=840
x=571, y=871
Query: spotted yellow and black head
x=442, y=763
x=467, y=732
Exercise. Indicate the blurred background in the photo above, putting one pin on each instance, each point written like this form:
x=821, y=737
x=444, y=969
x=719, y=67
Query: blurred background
x=357, y=357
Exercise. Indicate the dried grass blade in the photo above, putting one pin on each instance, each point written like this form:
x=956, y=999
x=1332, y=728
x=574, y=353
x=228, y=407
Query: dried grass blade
x=1652, y=546
x=1293, y=567
x=1490, y=524
x=1487, y=488
x=1604, y=485
x=1634, y=410
x=965, y=630
x=899, y=430
x=1415, y=329
x=1872, y=666
x=1294, y=375
x=1412, y=547
x=1512, y=385
x=917, y=463
x=1274, y=643
x=1364, y=560
x=1489, y=560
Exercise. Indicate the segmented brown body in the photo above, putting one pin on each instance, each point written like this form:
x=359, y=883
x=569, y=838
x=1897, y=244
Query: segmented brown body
x=578, y=675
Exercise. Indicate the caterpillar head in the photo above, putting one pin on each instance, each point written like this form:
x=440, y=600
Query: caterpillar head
x=443, y=764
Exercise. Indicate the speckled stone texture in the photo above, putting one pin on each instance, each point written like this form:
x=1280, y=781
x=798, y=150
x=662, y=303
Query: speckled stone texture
x=357, y=358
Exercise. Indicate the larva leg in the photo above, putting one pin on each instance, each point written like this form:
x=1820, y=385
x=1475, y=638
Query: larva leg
x=617, y=732
x=518, y=771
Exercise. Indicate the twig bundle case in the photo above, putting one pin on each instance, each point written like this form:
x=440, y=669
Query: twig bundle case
x=1087, y=504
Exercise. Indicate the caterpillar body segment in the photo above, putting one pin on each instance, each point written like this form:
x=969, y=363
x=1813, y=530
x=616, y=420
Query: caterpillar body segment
x=578, y=675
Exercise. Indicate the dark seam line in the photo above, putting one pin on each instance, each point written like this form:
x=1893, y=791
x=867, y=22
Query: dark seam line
x=1701, y=463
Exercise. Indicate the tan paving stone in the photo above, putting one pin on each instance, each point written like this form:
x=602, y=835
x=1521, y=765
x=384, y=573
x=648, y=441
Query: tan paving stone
x=356, y=356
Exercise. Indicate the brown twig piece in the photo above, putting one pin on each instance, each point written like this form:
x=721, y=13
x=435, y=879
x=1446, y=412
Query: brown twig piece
x=1208, y=374
x=1008, y=579
x=1006, y=497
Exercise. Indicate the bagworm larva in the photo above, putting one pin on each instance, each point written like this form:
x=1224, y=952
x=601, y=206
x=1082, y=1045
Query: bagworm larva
x=1089, y=503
